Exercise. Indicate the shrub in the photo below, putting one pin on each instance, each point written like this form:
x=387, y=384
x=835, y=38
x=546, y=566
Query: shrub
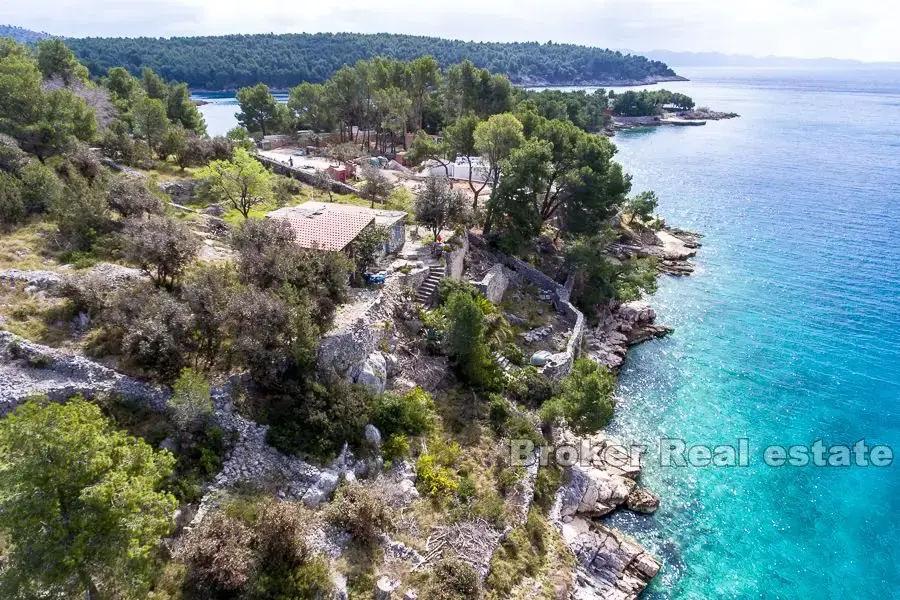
x=318, y=420
x=464, y=341
x=358, y=510
x=40, y=187
x=513, y=354
x=12, y=208
x=191, y=404
x=585, y=401
x=546, y=485
x=410, y=414
x=395, y=447
x=453, y=579
x=531, y=387
x=162, y=246
x=130, y=197
x=436, y=470
x=81, y=213
x=219, y=555
x=520, y=554
x=151, y=329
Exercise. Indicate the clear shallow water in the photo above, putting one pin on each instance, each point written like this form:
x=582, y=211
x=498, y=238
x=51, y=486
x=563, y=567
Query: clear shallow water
x=220, y=109
x=787, y=333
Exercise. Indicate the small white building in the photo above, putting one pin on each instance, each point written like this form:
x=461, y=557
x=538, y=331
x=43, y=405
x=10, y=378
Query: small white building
x=459, y=169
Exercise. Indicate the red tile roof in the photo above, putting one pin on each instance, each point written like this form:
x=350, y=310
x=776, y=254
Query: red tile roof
x=330, y=230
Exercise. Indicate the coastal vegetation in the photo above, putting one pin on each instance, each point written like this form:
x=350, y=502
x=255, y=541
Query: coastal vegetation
x=222, y=313
x=285, y=60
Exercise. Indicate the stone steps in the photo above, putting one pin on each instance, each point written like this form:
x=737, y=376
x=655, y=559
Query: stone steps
x=425, y=293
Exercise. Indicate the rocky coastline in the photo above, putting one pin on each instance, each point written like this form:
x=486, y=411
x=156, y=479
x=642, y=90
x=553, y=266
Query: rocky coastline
x=686, y=118
x=609, y=564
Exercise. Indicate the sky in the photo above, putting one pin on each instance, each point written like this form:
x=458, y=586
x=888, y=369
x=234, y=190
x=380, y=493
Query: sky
x=858, y=29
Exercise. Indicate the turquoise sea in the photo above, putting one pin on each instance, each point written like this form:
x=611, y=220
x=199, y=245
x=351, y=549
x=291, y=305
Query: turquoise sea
x=788, y=332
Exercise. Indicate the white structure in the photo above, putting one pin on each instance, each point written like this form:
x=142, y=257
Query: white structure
x=459, y=170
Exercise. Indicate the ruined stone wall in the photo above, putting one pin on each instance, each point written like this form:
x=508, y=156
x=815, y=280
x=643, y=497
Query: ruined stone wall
x=494, y=283
x=560, y=364
x=307, y=177
x=455, y=260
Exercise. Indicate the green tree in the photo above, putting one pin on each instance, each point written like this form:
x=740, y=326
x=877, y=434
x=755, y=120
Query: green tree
x=259, y=110
x=310, y=105
x=81, y=213
x=162, y=246
x=150, y=121
x=172, y=142
x=424, y=147
x=122, y=84
x=242, y=181
x=599, y=279
x=191, y=402
x=438, y=205
x=425, y=75
x=366, y=248
x=55, y=60
x=641, y=206
x=464, y=340
x=181, y=109
x=81, y=508
x=585, y=401
x=375, y=186
x=154, y=85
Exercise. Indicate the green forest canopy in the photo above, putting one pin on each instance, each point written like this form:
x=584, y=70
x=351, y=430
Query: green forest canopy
x=282, y=61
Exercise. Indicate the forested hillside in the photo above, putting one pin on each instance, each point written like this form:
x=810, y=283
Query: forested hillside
x=281, y=61
x=22, y=35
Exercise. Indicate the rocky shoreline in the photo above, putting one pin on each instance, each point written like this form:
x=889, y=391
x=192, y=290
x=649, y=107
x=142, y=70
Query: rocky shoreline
x=609, y=564
x=685, y=118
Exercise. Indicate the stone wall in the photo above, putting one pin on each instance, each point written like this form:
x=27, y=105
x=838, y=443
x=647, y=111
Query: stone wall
x=304, y=175
x=28, y=369
x=494, y=283
x=455, y=260
x=560, y=364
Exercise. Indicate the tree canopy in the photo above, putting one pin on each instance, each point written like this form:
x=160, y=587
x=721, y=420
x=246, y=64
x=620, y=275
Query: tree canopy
x=79, y=503
x=284, y=60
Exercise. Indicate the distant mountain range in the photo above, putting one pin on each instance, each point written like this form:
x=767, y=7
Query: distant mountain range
x=22, y=35
x=717, y=59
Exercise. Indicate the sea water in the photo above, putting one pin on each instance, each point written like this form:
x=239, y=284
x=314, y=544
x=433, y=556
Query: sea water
x=788, y=333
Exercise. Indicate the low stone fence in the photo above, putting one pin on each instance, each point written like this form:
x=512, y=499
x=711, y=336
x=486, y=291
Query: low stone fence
x=560, y=364
x=304, y=175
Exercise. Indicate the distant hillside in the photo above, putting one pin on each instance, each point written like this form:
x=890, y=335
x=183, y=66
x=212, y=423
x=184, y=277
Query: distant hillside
x=21, y=35
x=227, y=62
x=717, y=59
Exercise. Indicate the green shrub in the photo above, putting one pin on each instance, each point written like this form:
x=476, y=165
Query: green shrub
x=585, y=400
x=546, y=485
x=410, y=414
x=360, y=511
x=436, y=470
x=520, y=554
x=191, y=403
x=531, y=387
x=513, y=354
x=453, y=579
x=395, y=447
x=12, y=207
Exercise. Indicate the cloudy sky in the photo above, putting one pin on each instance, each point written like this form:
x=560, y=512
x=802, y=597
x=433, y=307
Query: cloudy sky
x=860, y=29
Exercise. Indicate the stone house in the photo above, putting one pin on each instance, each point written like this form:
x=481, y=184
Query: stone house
x=332, y=227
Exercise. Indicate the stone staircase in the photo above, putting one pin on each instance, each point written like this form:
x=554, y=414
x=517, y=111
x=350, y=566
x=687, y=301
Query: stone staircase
x=426, y=291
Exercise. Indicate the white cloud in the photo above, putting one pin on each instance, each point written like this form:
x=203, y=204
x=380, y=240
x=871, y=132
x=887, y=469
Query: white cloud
x=863, y=29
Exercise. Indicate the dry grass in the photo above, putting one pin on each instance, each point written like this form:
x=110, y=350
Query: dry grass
x=28, y=248
x=37, y=318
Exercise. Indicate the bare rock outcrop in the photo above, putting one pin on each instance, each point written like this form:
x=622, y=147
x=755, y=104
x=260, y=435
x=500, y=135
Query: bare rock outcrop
x=618, y=328
x=611, y=566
